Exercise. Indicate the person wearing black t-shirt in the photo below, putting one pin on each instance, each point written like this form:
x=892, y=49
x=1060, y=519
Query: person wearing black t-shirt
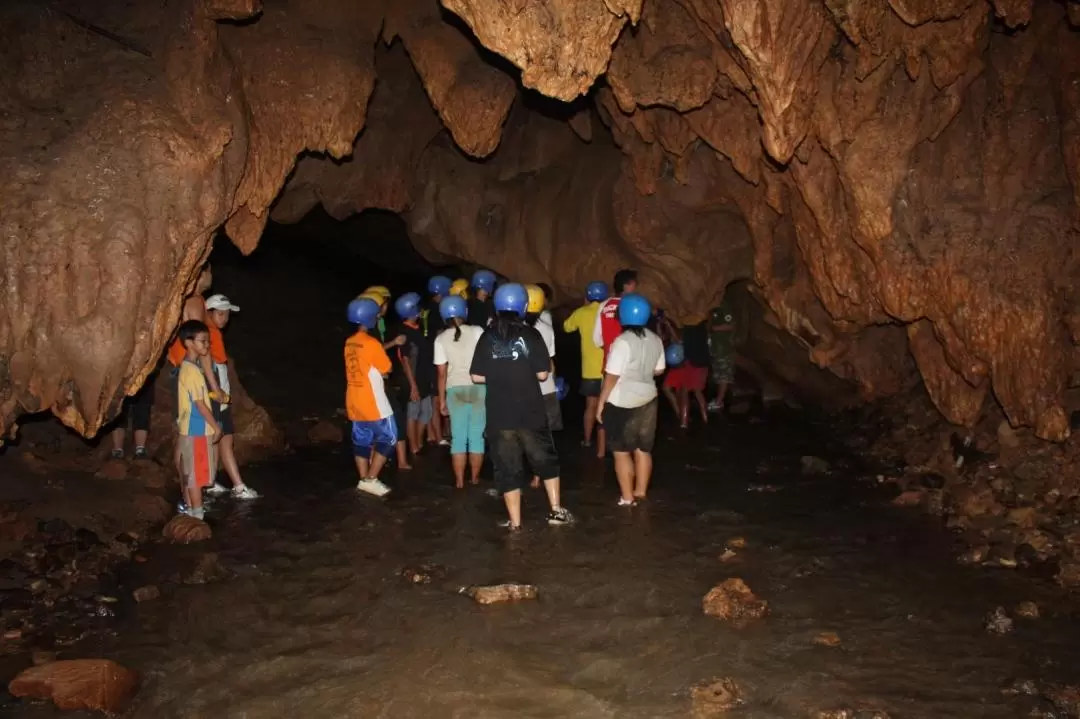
x=418, y=365
x=509, y=359
x=481, y=309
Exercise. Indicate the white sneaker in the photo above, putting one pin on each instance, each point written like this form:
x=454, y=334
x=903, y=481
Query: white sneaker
x=216, y=490
x=244, y=492
x=373, y=486
x=444, y=443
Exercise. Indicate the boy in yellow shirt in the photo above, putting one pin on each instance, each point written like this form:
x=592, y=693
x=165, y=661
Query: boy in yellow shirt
x=582, y=320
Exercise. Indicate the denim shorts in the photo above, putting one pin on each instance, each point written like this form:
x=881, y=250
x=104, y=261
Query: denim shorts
x=419, y=411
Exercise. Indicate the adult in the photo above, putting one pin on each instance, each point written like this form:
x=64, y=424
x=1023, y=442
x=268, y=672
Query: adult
x=459, y=398
x=510, y=358
x=687, y=379
x=534, y=309
x=136, y=412
x=721, y=343
x=418, y=368
x=434, y=324
x=607, y=326
x=381, y=296
x=582, y=320
x=629, y=397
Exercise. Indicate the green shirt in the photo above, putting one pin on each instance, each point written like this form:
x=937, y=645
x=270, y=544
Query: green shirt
x=721, y=341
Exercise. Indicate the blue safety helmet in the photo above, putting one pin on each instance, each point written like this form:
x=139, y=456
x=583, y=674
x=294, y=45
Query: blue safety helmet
x=363, y=311
x=484, y=280
x=674, y=354
x=511, y=297
x=634, y=310
x=596, y=291
x=439, y=285
x=408, y=306
x=453, y=306
x=561, y=389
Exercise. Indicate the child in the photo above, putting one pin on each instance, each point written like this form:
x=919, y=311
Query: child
x=419, y=367
x=199, y=431
x=374, y=434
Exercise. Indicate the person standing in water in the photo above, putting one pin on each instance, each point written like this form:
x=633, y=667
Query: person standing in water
x=459, y=398
x=381, y=296
x=534, y=310
x=419, y=370
x=218, y=309
x=721, y=343
x=510, y=359
x=583, y=320
x=438, y=290
x=480, y=307
x=374, y=433
x=628, y=399
x=607, y=326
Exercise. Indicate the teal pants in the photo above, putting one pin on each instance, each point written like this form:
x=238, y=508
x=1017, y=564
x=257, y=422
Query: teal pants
x=468, y=418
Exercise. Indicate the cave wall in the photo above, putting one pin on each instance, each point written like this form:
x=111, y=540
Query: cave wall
x=898, y=179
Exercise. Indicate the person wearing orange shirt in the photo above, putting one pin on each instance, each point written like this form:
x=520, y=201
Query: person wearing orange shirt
x=374, y=433
x=218, y=309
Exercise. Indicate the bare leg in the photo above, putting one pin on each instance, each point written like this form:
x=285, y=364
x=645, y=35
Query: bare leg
x=362, y=466
x=118, y=439
x=669, y=393
x=721, y=392
x=624, y=472
x=703, y=407
x=228, y=458
x=590, y=417
x=535, y=483
x=378, y=461
x=402, y=456
x=435, y=428
x=176, y=457
x=415, y=431
x=642, y=473
x=552, y=487
x=684, y=407
x=601, y=443
x=140, y=437
x=513, y=506
x=476, y=462
x=194, y=497
x=458, y=462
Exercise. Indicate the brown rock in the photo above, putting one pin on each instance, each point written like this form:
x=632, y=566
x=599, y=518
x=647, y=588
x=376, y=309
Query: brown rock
x=1025, y=517
x=93, y=684
x=715, y=699
x=827, y=639
x=910, y=498
x=324, y=431
x=500, y=593
x=1007, y=435
x=732, y=601
x=207, y=569
x=41, y=656
x=114, y=469
x=736, y=543
x=1068, y=574
x=14, y=528
x=152, y=509
x=1028, y=610
x=183, y=529
x=146, y=594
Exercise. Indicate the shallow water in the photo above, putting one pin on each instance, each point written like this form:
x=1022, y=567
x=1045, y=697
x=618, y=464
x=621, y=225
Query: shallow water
x=318, y=623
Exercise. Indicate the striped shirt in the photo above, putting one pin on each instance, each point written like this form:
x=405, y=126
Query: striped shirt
x=191, y=388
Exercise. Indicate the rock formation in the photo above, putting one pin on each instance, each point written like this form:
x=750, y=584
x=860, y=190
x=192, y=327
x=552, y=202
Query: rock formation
x=898, y=180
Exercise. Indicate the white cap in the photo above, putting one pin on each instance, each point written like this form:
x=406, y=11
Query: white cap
x=220, y=302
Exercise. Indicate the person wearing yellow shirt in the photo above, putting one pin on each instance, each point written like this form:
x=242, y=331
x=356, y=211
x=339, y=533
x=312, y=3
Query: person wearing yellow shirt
x=582, y=320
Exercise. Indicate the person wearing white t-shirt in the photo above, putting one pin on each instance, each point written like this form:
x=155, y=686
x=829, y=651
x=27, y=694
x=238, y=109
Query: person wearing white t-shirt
x=460, y=399
x=534, y=317
x=628, y=398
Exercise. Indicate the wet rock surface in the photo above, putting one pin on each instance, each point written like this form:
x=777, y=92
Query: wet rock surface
x=732, y=601
x=94, y=684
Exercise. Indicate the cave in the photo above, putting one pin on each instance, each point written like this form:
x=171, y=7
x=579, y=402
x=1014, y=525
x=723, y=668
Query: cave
x=887, y=191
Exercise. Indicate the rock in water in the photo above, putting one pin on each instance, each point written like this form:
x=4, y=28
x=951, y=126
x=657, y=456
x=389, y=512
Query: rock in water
x=1028, y=610
x=94, y=684
x=827, y=639
x=146, y=594
x=500, y=593
x=183, y=529
x=715, y=699
x=732, y=601
x=998, y=622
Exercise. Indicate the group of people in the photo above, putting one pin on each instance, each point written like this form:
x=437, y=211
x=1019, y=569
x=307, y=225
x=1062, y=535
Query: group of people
x=198, y=368
x=482, y=356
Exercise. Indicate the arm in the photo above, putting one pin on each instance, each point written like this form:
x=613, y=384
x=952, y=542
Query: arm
x=204, y=410
x=441, y=372
x=597, y=330
x=208, y=371
x=406, y=365
x=571, y=323
x=396, y=342
x=477, y=378
x=610, y=380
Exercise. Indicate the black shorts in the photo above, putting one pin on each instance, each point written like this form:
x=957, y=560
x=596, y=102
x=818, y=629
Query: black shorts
x=630, y=429
x=554, y=412
x=510, y=449
x=590, y=387
x=223, y=417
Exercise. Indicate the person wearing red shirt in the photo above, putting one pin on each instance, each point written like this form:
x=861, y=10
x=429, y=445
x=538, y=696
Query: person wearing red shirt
x=607, y=326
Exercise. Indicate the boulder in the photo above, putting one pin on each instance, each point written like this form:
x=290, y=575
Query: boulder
x=93, y=684
x=732, y=601
x=183, y=529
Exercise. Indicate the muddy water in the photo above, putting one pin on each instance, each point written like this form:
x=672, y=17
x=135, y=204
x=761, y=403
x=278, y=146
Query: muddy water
x=317, y=622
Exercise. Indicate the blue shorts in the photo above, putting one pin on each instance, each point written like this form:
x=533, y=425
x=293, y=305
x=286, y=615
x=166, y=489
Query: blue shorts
x=379, y=435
